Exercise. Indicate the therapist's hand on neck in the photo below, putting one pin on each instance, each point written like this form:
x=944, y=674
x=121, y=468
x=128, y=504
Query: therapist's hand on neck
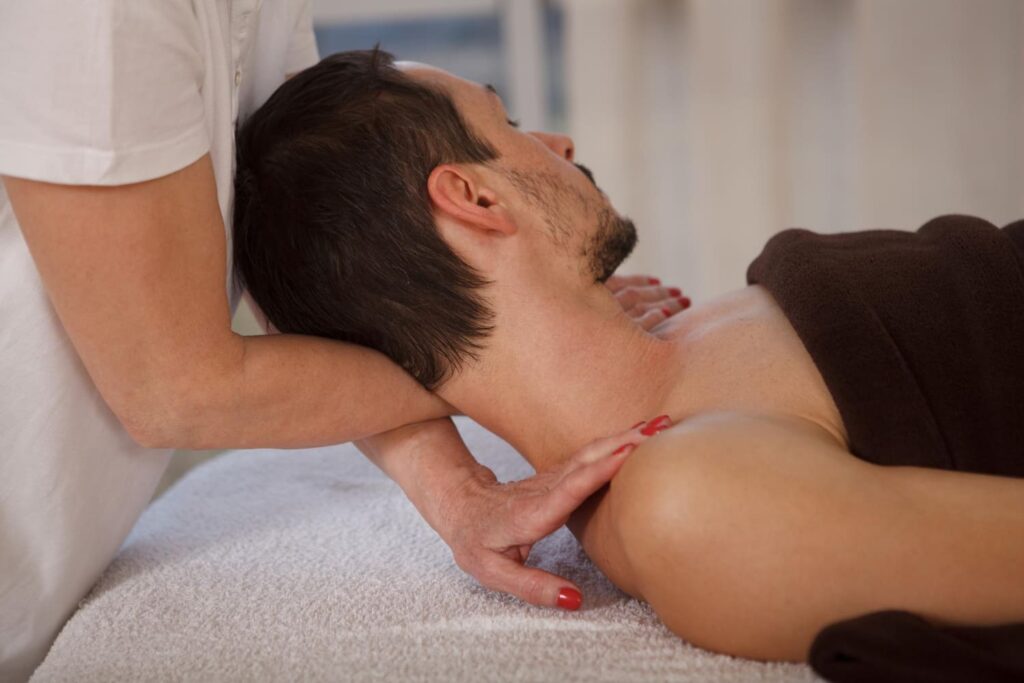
x=491, y=526
x=644, y=299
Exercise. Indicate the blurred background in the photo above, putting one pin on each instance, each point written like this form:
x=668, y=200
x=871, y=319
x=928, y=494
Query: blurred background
x=716, y=123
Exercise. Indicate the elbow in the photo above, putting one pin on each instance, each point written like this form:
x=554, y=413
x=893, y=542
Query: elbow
x=179, y=402
x=166, y=417
x=158, y=424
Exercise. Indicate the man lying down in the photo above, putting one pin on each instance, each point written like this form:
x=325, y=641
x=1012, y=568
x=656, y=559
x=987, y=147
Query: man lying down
x=839, y=424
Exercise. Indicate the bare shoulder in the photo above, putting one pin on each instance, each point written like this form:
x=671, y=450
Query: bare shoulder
x=674, y=486
x=684, y=468
x=747, y=534
x=736, y=436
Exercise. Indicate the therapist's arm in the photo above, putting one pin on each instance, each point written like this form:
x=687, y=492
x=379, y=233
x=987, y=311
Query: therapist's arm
x=137, y=275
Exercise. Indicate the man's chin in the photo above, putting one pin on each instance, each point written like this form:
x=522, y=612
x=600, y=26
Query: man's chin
x=614, y=242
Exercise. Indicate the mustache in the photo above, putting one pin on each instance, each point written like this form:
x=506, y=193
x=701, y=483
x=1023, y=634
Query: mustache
x=587, y=172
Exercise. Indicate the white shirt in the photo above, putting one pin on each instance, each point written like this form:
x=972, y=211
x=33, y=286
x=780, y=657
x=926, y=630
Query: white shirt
x=103, y=92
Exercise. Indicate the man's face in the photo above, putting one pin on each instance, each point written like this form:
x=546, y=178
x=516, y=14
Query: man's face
x=542, y=178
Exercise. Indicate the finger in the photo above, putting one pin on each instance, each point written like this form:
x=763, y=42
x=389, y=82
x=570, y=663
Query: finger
x=530, y=584
x=598, y=449
x=581, y=476
x=683, y=301
x=652, y=317
x=544, y=516
x=668, y=306
x=628, y=297
x=617, y=282
x=601, y=448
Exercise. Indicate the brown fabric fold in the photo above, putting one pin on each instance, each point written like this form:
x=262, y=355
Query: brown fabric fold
x=894, y=646
x=919, y=337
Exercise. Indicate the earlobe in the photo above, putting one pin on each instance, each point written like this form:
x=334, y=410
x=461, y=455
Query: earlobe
x=459, y=194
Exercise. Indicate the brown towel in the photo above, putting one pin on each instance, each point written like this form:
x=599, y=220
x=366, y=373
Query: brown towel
x=891, y=647
x=920, y=340
x=919, y=337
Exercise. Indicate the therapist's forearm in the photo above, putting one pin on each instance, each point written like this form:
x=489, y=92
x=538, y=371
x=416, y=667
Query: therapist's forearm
x=137, y=273
x=283, y=391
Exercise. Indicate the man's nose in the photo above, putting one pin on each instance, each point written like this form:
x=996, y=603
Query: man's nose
x=559, y=144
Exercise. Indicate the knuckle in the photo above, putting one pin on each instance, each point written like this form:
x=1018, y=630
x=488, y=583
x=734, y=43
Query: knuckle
x=467, y=563
x=522, y=523
x=649, y=294
x=490, y=579
x=531, y=589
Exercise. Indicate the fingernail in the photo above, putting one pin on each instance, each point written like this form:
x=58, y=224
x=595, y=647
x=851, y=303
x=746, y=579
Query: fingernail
x=666, y=311
x=653, y=281
x=638, y=424
x=625, y=448
x=569, y=598
x=683, y=301
x=675, y=291
x=656, y=425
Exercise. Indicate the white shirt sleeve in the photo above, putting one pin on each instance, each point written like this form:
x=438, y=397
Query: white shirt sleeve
x=302, y=52
x=280, y=53
x=104, y=92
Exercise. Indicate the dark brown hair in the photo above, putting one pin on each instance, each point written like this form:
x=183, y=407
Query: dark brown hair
x=333, y=230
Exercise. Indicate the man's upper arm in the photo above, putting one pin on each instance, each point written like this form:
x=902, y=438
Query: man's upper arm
x=137, y=274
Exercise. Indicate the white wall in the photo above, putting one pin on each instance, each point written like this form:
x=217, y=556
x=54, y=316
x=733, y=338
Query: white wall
x=716, y=123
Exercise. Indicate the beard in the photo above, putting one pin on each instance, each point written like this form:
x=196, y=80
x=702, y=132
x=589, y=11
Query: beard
x=614, y=236
x=610, y=244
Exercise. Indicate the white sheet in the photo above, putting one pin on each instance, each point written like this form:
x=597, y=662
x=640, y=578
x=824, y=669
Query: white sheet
x=312, y=565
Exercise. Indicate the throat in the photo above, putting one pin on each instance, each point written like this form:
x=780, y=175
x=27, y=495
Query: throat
x=550, y=389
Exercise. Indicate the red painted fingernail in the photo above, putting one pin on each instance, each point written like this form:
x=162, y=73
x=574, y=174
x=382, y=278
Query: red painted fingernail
x=656, y=425
x=653, y=281
x=666, y=311
x=625, y=448
x=569, y=598
x=675, y=291
x=683, y=301
x=638, y=424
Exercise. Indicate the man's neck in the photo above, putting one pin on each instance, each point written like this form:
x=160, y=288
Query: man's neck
x=562, y=371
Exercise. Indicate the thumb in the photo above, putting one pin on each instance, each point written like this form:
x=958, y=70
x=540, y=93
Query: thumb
x=533, y=585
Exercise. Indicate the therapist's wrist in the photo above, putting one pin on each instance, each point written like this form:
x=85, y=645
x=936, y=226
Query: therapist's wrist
x=428, y=460
x=444, y=469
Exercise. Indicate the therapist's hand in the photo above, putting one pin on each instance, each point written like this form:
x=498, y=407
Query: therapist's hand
x=644, y=299
x=492, y=526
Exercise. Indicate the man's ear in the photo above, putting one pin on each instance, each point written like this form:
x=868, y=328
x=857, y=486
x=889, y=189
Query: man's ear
x=462, y=195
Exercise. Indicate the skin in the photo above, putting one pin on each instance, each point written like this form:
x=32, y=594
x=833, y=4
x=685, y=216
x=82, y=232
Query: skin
x=136, y=274
x=749, y=525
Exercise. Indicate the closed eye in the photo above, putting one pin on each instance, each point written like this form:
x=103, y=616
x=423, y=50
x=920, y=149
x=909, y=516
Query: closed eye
x=513, y=123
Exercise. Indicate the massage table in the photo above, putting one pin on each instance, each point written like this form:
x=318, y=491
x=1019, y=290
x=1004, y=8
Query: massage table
x=312, y=565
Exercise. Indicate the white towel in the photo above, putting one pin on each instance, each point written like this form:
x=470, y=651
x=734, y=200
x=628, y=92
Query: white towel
x=312, y=565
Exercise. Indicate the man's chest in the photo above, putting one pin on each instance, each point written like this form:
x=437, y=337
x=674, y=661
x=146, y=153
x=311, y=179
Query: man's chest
x=742, y=354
